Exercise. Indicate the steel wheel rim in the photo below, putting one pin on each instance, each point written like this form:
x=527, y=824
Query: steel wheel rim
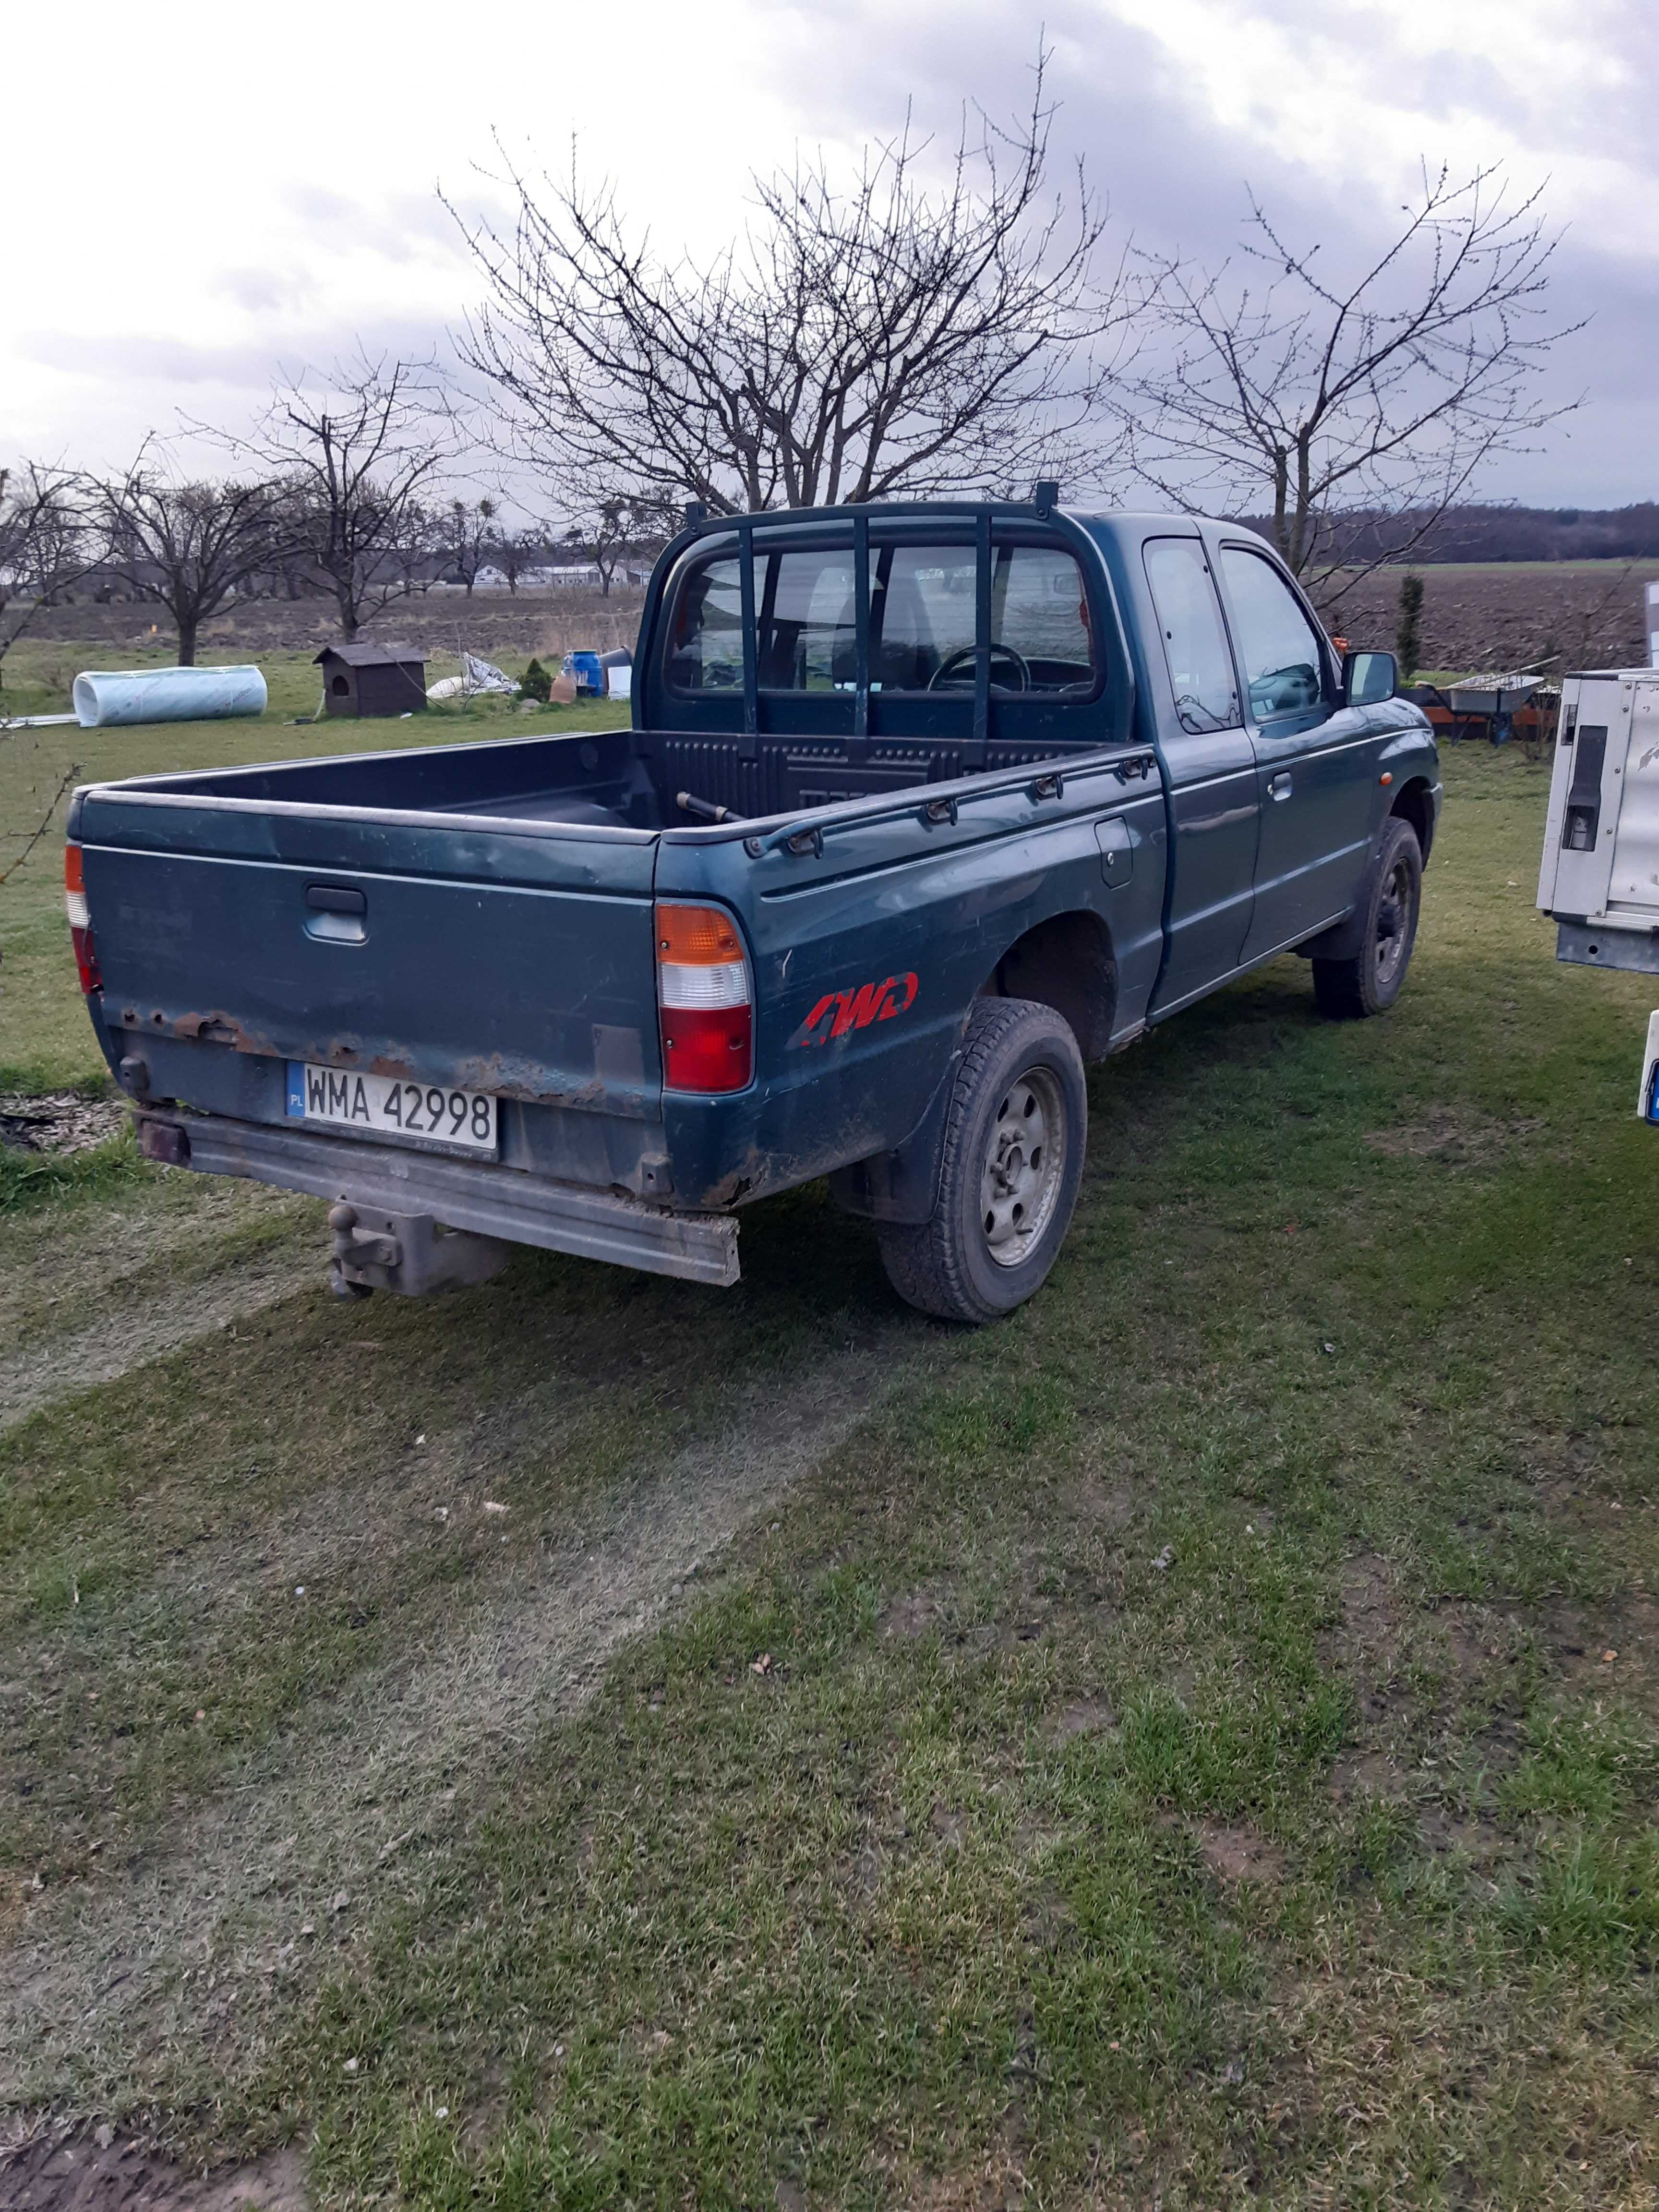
x=1023, y=1163
x=1393, y=922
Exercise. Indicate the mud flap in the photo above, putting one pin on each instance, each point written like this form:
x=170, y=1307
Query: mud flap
x=903, y=1185
x=1343, y=940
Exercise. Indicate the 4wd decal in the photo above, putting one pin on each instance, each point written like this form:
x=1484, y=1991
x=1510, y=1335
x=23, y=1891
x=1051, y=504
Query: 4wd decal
x=839, y=1013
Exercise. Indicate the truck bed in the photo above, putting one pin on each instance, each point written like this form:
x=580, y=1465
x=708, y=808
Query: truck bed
x=613, y=779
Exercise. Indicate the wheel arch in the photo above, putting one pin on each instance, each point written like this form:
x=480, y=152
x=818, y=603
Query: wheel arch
x=1066, y=962
x=1414, y=803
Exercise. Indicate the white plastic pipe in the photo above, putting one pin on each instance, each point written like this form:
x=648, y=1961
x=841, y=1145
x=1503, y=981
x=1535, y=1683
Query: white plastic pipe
x=104, y=700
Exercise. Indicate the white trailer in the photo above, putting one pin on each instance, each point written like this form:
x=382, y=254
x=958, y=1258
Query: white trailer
x=1600, y=877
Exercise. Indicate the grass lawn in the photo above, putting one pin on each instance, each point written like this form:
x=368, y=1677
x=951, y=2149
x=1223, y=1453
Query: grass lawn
x=593, y=1741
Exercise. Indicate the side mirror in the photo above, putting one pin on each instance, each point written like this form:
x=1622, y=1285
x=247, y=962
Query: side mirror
x=1369, y=678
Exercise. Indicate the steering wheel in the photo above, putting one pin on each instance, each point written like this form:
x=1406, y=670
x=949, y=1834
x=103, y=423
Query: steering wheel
x=963, y=657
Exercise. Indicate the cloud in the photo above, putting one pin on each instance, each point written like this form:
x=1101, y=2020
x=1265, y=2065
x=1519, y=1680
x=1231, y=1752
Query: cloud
x=140, y=358
x=140, y=384
x=265, y=290
x=1324, y=107
x=398, y=227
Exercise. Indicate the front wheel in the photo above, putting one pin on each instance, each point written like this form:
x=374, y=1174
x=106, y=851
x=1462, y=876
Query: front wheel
x=1371, y=982
x=1015, y=1132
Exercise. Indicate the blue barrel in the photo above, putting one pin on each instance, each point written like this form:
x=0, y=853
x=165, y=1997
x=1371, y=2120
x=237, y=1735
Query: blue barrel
x=587, y=671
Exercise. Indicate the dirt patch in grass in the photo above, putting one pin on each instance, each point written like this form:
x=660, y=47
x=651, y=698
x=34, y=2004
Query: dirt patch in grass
x=950, y=1825
x=1369, y=1617
x=96, y=2170
x=1240, y=1854
x=998, y=2183
x=1366, y=1644
x=1458, y=1140
x=916, y=1614
x=60, y=1121
x=1112, y=1506
x=1083, y=1717
x=1365, y=1774
x=1613, y=1647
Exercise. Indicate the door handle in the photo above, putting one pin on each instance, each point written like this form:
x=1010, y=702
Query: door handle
x=1279, y=786
x=335, y=914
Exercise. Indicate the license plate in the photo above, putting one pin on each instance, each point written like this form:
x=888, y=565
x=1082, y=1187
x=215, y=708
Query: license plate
x=435, y=1113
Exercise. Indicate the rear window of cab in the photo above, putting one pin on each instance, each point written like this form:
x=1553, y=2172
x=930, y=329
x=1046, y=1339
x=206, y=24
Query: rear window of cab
x=920, y=617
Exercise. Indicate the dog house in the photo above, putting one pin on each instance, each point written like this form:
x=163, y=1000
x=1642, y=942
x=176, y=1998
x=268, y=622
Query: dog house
x=372, y=679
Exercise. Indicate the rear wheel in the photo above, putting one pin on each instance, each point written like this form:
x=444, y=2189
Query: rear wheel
x=1014, y=1139
x=1371, y=982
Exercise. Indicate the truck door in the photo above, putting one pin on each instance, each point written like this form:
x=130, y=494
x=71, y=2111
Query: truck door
x=1313, y=758
x=1212, y=770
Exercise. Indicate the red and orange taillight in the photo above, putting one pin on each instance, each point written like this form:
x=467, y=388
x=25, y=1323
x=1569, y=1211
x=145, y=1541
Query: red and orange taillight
x=80, y=920
x=704, y=1000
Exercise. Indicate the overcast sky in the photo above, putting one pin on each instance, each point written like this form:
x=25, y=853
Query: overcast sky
x=198, y=194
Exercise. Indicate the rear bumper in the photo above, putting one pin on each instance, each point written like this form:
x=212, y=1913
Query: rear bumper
x=477, y=1196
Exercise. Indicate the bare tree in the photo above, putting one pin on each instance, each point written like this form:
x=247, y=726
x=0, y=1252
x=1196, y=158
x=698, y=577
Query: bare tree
x=616, y=530
x=286, y=572
x=857, y=344
x=1351, y=409
x=46, y=544
x=192, y=546
x=468, y=536
x=356, y=457
x=517, y=550
x=415, y=557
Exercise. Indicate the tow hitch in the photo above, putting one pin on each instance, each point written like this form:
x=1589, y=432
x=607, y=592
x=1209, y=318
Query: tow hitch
x=407, y=1252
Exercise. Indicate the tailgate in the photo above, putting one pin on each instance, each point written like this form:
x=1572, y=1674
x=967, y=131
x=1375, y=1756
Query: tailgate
x=441, y=950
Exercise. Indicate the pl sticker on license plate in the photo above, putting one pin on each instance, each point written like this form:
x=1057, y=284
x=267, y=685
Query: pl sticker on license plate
x=376, y=1104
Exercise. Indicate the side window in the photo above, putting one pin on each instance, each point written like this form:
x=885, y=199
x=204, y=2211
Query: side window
x=707, y=653
x=804, y=609
x=1039, y=613
x=1195, y=642
x=1277, y=644
x=922, y=617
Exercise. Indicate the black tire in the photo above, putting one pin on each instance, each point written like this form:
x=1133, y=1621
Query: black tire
x=1369, y=982
x=1004, y=1206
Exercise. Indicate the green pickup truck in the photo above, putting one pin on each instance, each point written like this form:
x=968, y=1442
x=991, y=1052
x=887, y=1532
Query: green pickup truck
x=923, y=807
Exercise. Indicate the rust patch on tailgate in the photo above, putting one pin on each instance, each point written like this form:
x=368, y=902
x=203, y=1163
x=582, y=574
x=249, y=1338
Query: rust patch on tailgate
x=214, y=1028
x=503, y=1074
x=510, y=1077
